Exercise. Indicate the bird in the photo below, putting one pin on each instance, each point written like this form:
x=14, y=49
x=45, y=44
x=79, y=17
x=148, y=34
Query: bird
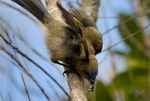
x=75, y=42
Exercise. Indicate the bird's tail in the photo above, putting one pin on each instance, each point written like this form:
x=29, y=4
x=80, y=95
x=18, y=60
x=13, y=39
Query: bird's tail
x=36, y=8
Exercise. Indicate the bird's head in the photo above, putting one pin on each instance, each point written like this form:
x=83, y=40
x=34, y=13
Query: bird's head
x=89, y=69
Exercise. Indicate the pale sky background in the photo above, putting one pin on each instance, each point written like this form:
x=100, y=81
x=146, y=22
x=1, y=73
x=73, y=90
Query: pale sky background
x=10, y=79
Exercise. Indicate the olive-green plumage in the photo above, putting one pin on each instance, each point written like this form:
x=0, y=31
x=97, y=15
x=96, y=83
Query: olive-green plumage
x=75, y=42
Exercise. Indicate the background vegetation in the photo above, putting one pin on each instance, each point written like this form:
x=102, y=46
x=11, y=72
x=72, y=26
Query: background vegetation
x=124, y=64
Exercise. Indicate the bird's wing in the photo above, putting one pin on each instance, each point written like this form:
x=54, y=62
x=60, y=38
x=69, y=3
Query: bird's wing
x=36, y=8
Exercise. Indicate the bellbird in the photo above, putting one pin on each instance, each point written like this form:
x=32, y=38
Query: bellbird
x=75, y=41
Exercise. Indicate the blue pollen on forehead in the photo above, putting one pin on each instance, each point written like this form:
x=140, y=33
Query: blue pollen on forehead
x=94, y=74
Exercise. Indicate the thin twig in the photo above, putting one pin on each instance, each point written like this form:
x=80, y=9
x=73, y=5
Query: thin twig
x=108, y=17
x=24, y=55
x=134, y=40
x=26, y=71
x=53, y=88
x=32, y=61
x=25, y=87
x=7, y=59
x=114, y=27
x=26, y=43
x=126, y=38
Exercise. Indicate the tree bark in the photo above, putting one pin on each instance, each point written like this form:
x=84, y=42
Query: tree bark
x=90, y=7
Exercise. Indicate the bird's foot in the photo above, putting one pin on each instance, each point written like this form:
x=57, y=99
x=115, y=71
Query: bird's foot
x=68, y=70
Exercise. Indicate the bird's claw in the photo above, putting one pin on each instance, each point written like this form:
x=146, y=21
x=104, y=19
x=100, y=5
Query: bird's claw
x=67, y=71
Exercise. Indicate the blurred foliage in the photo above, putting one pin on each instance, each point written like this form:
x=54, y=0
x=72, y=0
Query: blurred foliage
x=132, y=84
x=102, y=92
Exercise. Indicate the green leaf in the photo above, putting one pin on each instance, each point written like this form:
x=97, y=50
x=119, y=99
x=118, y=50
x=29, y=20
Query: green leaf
x=136, y=43
x=134, y=84
x=135, y=62
x=102, y=92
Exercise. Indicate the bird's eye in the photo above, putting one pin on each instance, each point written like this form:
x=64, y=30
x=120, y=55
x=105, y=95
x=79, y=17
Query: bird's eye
x=91, y=75
x=95, y=73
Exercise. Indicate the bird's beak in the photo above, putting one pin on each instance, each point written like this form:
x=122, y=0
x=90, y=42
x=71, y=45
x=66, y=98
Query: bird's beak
x=91, y=88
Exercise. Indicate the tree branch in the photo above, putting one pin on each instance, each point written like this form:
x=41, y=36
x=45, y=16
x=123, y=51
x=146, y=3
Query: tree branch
x=26, y=90
x=145, y=34
x=77, y=91
x=142, y=24
x=90, y=7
